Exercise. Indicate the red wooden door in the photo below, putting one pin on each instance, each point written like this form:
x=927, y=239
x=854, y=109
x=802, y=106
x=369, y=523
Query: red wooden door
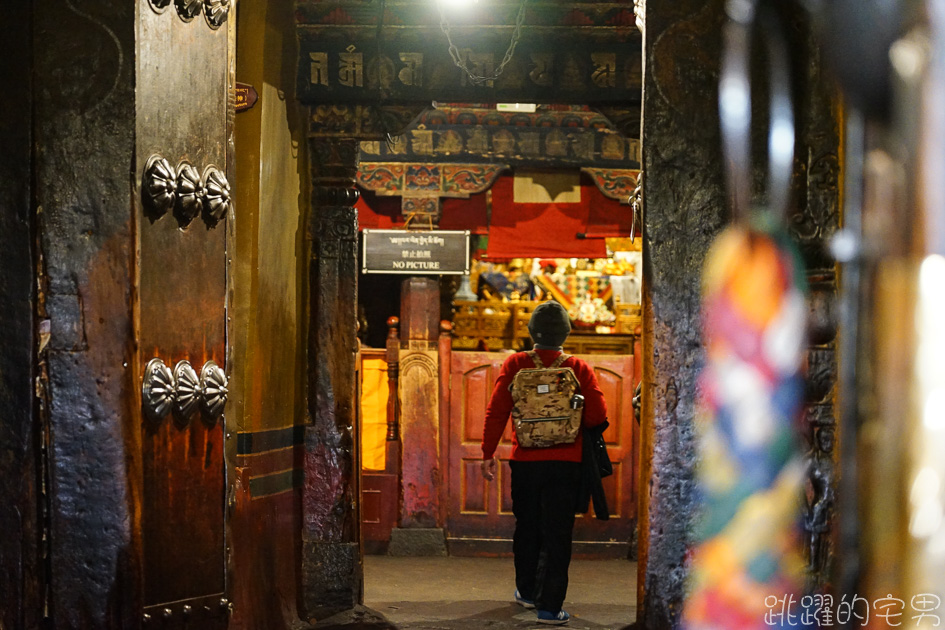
x=479, y=514
x=615, y=376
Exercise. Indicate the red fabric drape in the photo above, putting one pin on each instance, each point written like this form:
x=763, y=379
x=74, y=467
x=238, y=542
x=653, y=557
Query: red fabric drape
x=538, y=230
x=606, y=217
x=465, y=214
x=519, y=230
x=378, y=212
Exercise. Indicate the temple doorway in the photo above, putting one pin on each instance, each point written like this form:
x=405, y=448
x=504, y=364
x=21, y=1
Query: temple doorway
x=538, y=227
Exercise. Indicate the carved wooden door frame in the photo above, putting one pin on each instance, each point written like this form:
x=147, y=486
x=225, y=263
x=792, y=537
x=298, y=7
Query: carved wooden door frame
x=364, y=82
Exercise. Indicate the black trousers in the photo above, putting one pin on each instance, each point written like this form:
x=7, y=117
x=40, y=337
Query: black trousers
x=544, y=500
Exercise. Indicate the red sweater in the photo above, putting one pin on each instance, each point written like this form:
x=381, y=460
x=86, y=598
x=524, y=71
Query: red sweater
x=500, y=408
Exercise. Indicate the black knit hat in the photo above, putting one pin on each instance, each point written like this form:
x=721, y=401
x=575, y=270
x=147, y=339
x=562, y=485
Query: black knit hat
x=549, y=324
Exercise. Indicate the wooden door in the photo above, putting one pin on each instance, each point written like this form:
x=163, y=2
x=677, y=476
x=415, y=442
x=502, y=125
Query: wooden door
x=613, y=537
x=183, y=75
x=380, y=478
x=479, y=514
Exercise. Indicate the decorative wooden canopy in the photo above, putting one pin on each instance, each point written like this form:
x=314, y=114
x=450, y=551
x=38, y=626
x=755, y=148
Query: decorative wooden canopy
x=552, y=136
x=422, y=186
x=615, y=183
x=455, y=150
x=432, y=179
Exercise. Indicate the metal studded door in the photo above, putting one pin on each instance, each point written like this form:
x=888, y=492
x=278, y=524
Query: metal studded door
x=184, y=123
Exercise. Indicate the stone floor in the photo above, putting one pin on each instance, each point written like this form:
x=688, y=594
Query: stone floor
x=447, y=593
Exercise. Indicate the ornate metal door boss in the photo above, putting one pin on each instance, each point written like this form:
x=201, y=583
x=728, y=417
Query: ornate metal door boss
x=184, y=190
x=180, y=391
x=215, y=11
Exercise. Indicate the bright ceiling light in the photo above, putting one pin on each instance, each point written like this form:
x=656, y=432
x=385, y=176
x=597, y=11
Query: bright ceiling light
x=456, y=5
x=528, y=108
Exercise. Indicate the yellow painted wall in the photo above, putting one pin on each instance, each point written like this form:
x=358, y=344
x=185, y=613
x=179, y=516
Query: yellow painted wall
x=268, y=266
x=374, y=393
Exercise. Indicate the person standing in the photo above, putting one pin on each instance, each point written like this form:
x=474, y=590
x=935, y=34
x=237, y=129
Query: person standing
x=546, y=481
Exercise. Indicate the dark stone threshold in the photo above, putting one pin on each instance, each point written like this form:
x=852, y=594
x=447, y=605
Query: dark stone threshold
x=357, y=618
x=421, y=541
x=502, y=548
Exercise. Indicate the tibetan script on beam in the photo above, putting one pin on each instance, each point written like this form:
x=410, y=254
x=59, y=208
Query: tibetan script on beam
x=414, y=65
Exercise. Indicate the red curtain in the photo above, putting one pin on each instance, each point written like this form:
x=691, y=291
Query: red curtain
x=378, y=212
x=465, y=214
x=538, y=230
x=606, y=217
x=519, y=230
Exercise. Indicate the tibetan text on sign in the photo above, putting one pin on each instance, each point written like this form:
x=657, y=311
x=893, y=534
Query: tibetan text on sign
x=416, y=252
x=402, y=68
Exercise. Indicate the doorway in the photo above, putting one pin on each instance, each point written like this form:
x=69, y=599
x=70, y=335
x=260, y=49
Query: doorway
x=591, y=264
x=486, y=316
x=479, y=518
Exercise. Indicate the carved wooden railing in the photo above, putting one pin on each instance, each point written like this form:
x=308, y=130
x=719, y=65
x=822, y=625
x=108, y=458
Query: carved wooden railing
x=393, y=395
x=393, y=363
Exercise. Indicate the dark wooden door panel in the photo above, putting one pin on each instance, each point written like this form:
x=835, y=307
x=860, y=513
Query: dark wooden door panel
x=479, y=515
x=183, y=507
x=182, y=70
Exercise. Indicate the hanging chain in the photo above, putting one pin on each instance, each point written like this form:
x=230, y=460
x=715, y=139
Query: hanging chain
x=461, y=62
x=378, y=37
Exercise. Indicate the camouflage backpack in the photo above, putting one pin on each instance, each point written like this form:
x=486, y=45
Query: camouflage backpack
x=546, y=404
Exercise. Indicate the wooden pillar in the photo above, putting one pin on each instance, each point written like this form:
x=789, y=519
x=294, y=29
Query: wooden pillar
x=393, y=398
x=419, y=312
x=816, y=218
x=686, y=206
x=21, y=569
x=86, y=375
x=332, y=574
x=419, y=393
x=393, y=367
x=445, y=359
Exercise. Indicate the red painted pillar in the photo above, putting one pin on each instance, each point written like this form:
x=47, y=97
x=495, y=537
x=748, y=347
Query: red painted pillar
x=419, y=395
x=445, y=358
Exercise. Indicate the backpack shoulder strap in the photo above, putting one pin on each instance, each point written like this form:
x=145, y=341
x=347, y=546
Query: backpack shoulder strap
x=536, y=359
x=561, y=359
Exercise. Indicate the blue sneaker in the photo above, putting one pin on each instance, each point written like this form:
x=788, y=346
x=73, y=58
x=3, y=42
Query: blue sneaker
x=527, y=603
x=552, y=619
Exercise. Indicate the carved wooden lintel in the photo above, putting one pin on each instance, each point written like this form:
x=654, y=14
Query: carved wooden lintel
x=427, y=179
x=480, y=134
x=410, y=64
x=362, y=122
x=616, y=184
x=626, y=120
x=422, y=213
